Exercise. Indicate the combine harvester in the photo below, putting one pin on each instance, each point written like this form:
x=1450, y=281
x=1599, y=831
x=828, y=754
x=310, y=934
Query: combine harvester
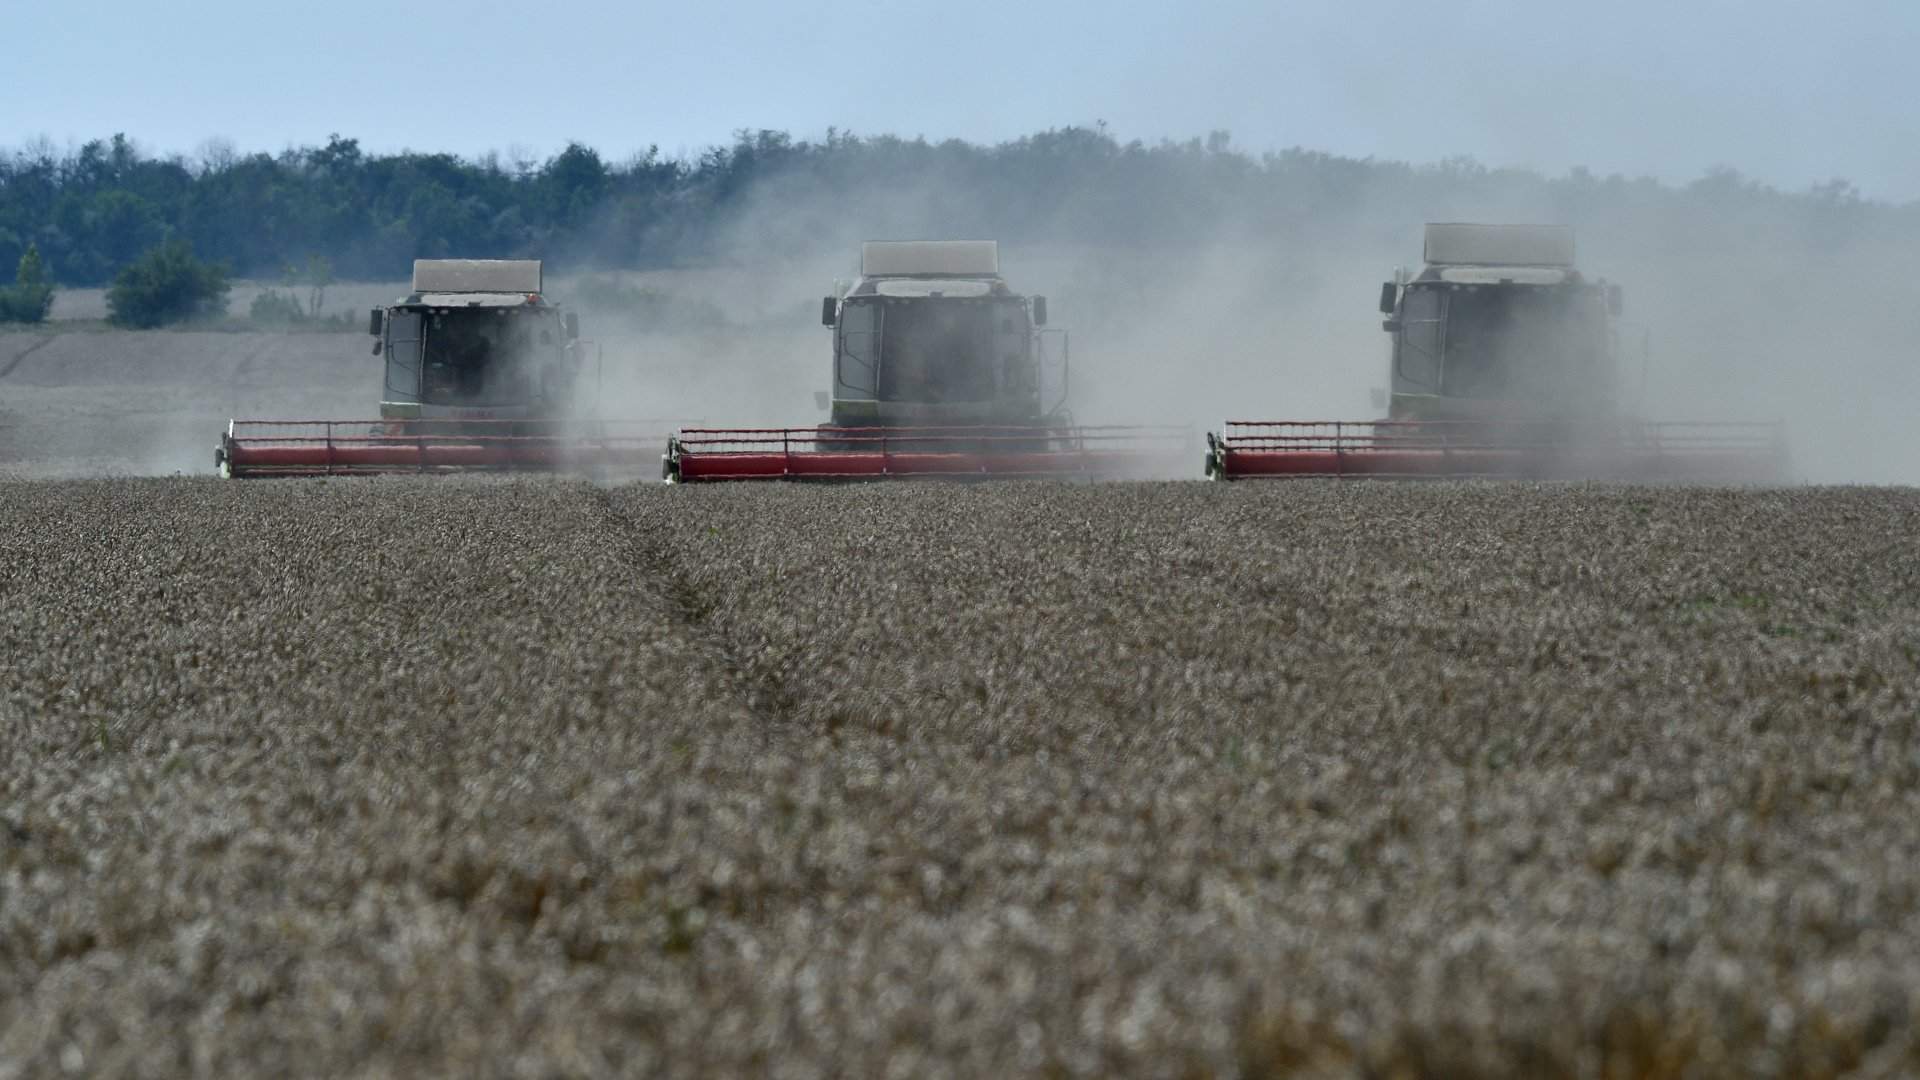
x=481, y=375
x=1505, y=363
x=939, y=370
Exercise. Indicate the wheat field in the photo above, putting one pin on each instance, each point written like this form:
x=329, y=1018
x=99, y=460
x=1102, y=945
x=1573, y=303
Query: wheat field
x=531, y=777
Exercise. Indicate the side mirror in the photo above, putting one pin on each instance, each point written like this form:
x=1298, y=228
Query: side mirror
x=376, y=321
x=1039, y=311
x=1616, y=300
x=571, y=321
x=1377, y=395
x=829, y=311
x=821, y=401
x=1391, y=326
x=1389, y=295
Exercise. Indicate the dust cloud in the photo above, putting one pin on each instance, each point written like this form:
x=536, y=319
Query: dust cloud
x=1741, y=304
x=1799, y=313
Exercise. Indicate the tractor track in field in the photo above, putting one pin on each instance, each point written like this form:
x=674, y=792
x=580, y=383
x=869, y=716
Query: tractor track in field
x=242, y=369
x=766, y=697
x=21, y=357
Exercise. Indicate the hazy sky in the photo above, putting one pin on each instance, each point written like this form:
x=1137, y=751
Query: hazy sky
x=1793, y=93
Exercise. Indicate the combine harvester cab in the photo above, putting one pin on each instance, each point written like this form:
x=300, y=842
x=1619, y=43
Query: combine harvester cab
x=1504, y=364
x=481, y=372
x=939, y=370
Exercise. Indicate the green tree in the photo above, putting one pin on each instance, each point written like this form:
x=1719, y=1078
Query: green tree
x=93, y=210
x=31, y=297
x=167, y=285
x=575, y=180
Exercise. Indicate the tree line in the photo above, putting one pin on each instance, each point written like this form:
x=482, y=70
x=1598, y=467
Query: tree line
x=87, y=214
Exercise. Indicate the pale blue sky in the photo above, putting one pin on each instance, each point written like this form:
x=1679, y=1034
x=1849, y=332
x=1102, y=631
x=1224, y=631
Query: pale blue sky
x=1793, y=93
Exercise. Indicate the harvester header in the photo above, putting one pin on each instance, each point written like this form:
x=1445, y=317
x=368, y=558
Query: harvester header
x=477, y=276
x=1453, y=244
x=930, y=258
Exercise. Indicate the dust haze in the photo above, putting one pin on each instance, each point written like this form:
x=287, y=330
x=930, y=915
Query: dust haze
x=1792, y=308
x=1804, y=316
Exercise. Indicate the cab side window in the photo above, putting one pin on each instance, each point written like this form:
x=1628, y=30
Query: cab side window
x=403, y=355
x=857, y=368
x=1422, y=323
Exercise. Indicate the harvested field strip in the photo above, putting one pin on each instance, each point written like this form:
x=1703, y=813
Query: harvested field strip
x=384, y=777
x=119, y=403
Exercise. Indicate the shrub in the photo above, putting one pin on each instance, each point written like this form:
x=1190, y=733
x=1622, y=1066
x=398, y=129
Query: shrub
x=30, y=297
x=275, y=308
x=167, y=285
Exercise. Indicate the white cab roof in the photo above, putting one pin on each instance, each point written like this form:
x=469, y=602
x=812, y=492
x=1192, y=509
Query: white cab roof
x=476, y=275
x=1455, y=244
x=913, y=258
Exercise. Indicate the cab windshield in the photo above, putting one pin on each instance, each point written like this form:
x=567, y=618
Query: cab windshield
x=945, y=349
x=485, y=356
x=1536, y=344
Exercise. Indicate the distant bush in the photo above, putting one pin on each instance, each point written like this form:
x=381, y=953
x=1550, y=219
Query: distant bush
x=286, y=311
x=30, y=297
x=275, y=308
x=167, y=285
x=17, y=306
x=272, y=309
